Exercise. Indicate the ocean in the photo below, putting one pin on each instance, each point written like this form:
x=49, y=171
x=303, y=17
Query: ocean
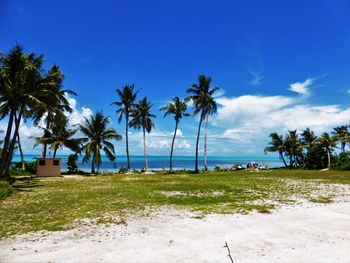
x=162, y=162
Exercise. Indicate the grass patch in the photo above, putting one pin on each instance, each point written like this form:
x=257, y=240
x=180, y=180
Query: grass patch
x=58, y=203
x=5, y=189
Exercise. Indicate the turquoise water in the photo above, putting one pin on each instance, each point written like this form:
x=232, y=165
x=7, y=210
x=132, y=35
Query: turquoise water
x=160, y=162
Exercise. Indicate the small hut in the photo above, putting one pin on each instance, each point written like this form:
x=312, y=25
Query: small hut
x=48, y=167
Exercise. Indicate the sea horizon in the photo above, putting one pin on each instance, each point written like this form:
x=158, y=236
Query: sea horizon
x=158, y=162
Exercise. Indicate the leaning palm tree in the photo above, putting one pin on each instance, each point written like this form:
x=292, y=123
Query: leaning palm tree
x=328, y=143
x=142, y=118
x=127, y=97
x=342, y=135
x=178, y=109
x=59, y=136
x=203, y=103
x=23, y=88
x=276, y=145
x=56, y=104
x=97, y=133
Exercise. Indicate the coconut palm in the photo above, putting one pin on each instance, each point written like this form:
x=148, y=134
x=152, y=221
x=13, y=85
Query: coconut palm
x=276, y=145
x=23, y=88
x=141, y=117
x=210, y=109
x=328, y=143
x=342, y=135
x=127, y=97
x=203, y=103
x=178, y=109
x=59, y=135
x=97, y=133
x=293, y=148
x=55, y=104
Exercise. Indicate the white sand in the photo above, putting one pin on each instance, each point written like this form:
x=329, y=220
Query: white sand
x=309, y=233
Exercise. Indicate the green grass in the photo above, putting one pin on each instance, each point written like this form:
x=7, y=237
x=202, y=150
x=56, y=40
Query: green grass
x=56, y=203
x=5, y=189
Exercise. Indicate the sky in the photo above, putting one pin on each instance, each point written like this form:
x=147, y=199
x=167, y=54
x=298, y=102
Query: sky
x=280, y=65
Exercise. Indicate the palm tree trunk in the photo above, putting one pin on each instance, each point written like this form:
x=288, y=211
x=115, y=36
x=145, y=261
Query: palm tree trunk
x=44, y=150
x=12, y=144
x=7, y=138
x=21, y=152
x=205, y=143
x=127, y=139
x=93, y=164
x=145, y=149
x=197, y=143
x=172, y=148
x=284, y=161
x=54, y=152
x=329, y=159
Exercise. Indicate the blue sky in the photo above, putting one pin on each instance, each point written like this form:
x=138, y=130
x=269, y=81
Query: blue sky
x=280, y=64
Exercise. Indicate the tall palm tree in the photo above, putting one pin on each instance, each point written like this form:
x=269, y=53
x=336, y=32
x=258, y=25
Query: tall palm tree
x=127, y=98
x=97, y=133
x=59, y=135
x=23, y=88
x=328, y=143
x=293, y=148
x=203, y=103
x=178, y=109
x=276, y=145
x=308, y=138
x=342, y=135
x=97, y=139
x=56, y=104
x=142, y=118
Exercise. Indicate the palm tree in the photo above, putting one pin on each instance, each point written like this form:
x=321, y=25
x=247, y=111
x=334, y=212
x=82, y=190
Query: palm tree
x=56, y=104
x=127, y=97
x=308, y=138
x=328, y=143
x=342, y=135
x=23, y=88
x=178, y=109
x=59, y=135
x=204, y=105
x=293, y=148
x=97, y=133
x=142, y=118
x=276, y=145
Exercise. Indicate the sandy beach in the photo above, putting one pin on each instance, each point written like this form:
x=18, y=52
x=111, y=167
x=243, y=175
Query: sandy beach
x=307, y=233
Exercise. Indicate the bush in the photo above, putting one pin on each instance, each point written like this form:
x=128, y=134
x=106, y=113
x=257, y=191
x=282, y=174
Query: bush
x=123, y=170
x=217, y=168
x=341, y=162
x=72, y=163
x=5, y=189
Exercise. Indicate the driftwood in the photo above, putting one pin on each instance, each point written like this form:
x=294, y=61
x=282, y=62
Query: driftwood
x=229, y=252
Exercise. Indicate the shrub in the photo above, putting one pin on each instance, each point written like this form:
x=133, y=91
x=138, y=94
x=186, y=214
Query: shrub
x=217, y=168
x=123, y=170
x=72, y=163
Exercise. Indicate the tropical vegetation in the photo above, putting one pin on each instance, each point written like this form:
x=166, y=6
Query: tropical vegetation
x=177, y=108
x=141, y=118
x=30, y=92
x=97, y=139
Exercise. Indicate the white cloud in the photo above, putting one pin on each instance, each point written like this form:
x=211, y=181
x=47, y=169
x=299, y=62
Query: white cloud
x=302, y=88
x=77, y=115
x=247, y=120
